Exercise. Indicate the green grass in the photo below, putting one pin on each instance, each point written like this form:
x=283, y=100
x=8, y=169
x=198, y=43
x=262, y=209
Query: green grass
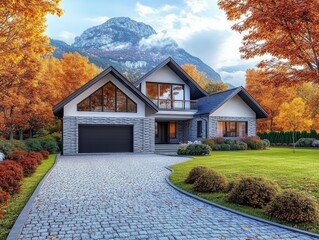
x=297, y=170
x=18, y=201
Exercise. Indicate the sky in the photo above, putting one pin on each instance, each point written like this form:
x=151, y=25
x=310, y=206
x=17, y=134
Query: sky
x=198, y=26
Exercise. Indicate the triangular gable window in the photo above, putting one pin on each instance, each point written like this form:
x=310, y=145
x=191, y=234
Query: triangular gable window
x=108, y=98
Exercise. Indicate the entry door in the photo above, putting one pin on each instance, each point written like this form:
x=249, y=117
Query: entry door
x=164, y=132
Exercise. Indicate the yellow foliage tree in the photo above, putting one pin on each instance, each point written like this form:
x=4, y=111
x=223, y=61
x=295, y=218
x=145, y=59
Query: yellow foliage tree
x=293, y=116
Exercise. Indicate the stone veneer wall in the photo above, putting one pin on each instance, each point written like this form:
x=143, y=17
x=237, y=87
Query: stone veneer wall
x=213, y=124
x=143, y=132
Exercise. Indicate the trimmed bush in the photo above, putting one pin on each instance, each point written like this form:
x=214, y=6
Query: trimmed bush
x=224, y=147
x=4, y=197
x=10, y=181
x=58, y=138
x=195, y=149
x=243, y=146
x=14, y=166
x=19, y=145
x=49, y=143
x=315, y=143
x=17, y=155
x=254, y=143
x=29, y=166
x=211, y=181
x=6, y=146
x=267, y=142
x=305, y=142
x=293, y=206
x=45, y=154
x=195, y=173
x=33, y=145
x=253, y=191
x=37, y=156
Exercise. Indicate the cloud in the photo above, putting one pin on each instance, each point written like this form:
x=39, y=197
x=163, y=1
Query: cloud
x=234, y=78
x=161, y=39
x=97, y=20
x=144, y=10
x=197, y=6
x=67, y=36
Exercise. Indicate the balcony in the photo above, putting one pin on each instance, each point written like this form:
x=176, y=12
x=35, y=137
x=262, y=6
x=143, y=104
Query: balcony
x=176, y=105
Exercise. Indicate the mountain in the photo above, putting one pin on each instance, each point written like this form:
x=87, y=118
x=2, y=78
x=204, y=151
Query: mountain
x=132, y=47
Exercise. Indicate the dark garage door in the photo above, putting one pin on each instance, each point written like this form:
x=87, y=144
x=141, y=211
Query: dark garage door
x=105, y=138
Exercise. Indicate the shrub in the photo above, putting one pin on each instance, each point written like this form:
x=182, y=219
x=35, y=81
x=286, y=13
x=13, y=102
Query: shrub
x=181, y=151
x=252, y=191
x=254, y=143
x=304, y=142
x=49, y=143
x=58, y=138
x=293, y=206
x=229, y=141
x=33, y=145
x=211, y=181
x=14, y=166
x=36, y=155
x=4, y=197
x=218, y=140
x=243, y=146
x=224, y=147
x=210, y=142
x=6, y=146
x=29, y=166
x=19, y=145
x=267, y=142
x=16, y=155
x=10, y=181
x=315, y=143
x=45, y=154
x=195, y=173
x=198, y=149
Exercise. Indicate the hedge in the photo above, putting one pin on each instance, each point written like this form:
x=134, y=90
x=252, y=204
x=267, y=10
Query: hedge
x=286, y=137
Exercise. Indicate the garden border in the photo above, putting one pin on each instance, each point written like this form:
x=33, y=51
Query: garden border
x=237, y=212
x=19, y=223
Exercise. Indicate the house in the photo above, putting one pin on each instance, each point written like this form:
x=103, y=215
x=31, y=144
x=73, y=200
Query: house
x=110, y=114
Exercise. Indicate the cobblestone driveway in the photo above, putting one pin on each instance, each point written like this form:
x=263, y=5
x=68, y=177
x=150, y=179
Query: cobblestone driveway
x=126, y=197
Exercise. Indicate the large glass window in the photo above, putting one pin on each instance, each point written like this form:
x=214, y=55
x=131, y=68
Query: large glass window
x=199, y=129
x=108, y=99
x=232, y=129
x=166, y=96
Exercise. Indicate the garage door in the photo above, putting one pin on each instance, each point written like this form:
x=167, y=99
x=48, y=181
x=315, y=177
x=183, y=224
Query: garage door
x=105, y=138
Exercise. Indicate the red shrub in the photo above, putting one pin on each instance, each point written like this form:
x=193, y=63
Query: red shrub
x=45, y=154
x=16, y=155
x=36, y=155
x=9, y=180
x=29, y=165
x=4, y=197
x=218, y=140
x=14, y=166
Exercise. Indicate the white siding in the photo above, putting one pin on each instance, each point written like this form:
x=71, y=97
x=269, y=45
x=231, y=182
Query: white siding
x=234, y=107
x=70, y=109
x=165, y=75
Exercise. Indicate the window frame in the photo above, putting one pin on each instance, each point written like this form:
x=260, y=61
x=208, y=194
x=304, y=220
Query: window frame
x=102, y=100
x=171, y=100
x=224, y=132
x=200, y=129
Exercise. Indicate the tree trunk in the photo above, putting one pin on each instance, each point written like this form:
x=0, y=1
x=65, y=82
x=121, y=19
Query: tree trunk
x=20, y=135
x=30, y=133
x=11, y=135
x=293, y=141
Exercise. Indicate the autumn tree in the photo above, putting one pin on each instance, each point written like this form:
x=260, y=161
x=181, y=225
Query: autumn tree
x=294, y=117
x=203, y=81
x=285, y=30
x=270, y=96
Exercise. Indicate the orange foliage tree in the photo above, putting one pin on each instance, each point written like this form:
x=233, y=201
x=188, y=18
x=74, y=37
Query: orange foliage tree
x=202, y=80
x=286, y=30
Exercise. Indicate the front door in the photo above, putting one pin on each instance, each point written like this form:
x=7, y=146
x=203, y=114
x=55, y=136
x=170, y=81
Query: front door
x=163, y=132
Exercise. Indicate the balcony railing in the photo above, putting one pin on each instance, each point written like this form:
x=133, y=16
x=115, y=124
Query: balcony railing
x=176, y=105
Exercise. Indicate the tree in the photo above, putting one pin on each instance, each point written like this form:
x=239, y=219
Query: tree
x=286, y=30
x=270, y=96
x=293, y=117
x=202, y=80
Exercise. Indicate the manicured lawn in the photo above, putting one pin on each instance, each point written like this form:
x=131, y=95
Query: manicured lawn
x=18, y=201
x=298, y=170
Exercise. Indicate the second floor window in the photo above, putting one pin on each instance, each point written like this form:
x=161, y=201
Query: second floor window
x=165, y=95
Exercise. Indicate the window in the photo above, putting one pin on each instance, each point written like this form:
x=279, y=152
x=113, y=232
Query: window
x=166, y=96
x=172, y=129
x=232, y=129
x=199, y=129
x=108, y=98
x=156, y=129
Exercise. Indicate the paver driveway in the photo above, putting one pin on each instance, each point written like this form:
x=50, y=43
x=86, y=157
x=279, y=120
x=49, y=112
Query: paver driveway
x=126, y=196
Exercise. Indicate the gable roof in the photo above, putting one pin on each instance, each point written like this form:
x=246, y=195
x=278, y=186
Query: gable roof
x=57, y=109
x=212, y=102
x=196, y=90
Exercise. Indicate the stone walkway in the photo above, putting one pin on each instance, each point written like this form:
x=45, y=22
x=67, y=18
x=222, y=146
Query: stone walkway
x=126, y=197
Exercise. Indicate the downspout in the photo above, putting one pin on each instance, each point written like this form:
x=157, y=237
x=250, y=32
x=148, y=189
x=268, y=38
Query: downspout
x=206, y=132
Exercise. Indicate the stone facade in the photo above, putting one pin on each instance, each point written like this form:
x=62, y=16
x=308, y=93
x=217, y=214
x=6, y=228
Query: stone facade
x=143, y=132
x=213, y=124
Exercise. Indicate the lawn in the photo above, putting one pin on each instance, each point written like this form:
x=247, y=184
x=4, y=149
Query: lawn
x=18, y=201
x=299, y=170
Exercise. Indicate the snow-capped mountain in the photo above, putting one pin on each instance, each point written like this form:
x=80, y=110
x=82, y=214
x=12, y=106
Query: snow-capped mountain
x=132, y=47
